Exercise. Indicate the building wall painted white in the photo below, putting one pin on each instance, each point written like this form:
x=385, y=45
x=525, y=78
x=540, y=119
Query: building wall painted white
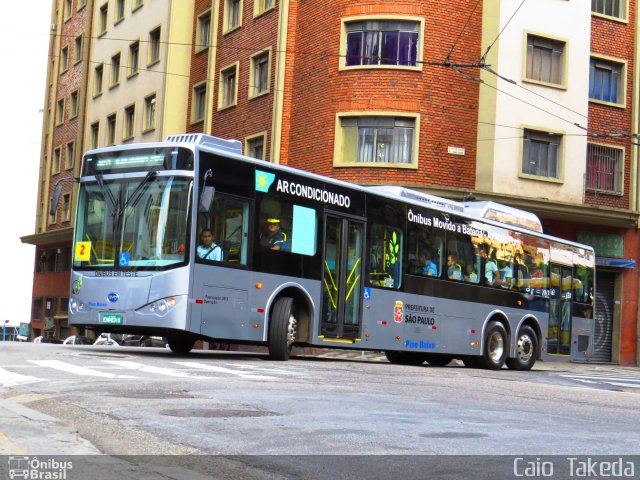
x=132, y=89
x=504, y=113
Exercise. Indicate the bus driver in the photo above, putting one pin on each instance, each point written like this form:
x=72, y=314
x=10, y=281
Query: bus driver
x=207, y=250
x=273, y=238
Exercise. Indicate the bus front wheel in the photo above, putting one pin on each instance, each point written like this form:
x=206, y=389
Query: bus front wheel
x=180, y=344
x=282, y=329
x=526, y=350
x=495, y=347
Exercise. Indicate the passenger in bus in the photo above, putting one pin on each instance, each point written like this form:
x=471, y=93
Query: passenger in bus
x=491, y=272
x=506, y=274
x=272, y=237
x=207, y=250
x=428, y=267
x=470, y=274
x=454, y=271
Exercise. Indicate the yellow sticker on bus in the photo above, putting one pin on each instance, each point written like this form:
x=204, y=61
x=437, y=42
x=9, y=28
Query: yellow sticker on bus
x=83, y=251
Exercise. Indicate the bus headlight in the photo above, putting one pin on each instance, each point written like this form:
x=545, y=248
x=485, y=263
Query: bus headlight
x=159, y=307
x=75, y=306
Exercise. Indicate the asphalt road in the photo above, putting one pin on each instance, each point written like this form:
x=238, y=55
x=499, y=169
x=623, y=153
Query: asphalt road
x=357, y=415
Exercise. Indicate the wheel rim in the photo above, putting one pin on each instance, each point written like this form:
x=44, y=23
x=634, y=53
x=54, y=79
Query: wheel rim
x=525, y=348
x=291, y=330
x=496, y=347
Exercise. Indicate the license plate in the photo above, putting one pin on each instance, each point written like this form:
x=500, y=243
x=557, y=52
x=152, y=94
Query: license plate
x=112, y=319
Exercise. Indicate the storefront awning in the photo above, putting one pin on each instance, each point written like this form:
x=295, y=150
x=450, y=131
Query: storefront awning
x=615, y=262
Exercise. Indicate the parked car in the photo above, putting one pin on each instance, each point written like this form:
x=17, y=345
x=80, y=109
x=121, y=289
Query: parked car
x=42, y=339
x=144, y=341
x=78, y=340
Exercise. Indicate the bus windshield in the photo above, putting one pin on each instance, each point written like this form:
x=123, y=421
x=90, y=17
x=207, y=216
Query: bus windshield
x=132, y=223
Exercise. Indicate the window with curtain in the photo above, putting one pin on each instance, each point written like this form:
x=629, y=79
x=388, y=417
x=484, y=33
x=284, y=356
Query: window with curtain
x=378, y=139
x=605, y=81
x=604, y=168
x=382, y=43
x=541, y=154
x=545, y=59
x=611, y=8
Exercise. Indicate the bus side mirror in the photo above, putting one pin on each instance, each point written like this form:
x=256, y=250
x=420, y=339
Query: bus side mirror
x=56, y=198
x=206, y=199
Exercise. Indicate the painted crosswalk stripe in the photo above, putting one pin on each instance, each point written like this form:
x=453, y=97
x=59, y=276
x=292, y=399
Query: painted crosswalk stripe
x=139, y=367
x=212, y=368
x=11, y=379
x=603, y=377
x=262, y=369
x=76, y=369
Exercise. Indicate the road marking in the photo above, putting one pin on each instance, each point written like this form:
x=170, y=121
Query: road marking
x=76, y=369
x=212, y=368
x=262, y=369
x=10, y=448
x=11, y=379
x=604, y=379
x=149, y=369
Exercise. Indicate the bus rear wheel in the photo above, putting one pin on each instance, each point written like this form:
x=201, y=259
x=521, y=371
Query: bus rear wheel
x=438, y=360
x=181, y=344
x=495, y=347
x=405, y=358
x=282, y=329
x=526, y=350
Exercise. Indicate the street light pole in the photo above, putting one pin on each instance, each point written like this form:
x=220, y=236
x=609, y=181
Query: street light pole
x=4, y=330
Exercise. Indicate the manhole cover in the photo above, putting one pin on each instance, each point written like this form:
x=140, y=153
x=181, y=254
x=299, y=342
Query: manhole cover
x=201, y=412
x=453, y=435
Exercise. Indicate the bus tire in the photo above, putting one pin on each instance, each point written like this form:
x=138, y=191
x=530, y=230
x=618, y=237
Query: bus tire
x=180, y=344
x=282, y=329
x=404, y=358
x=526, y=350
x=495, y=349
x=438, y=360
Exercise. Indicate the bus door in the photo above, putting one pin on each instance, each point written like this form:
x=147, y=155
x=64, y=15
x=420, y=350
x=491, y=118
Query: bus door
x=342, y=278
x=560, y=311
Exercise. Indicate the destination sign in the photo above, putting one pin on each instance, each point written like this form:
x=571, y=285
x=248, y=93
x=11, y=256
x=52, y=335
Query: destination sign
x=128, y=161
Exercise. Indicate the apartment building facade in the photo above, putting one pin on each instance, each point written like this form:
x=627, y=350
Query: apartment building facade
x=388, y=92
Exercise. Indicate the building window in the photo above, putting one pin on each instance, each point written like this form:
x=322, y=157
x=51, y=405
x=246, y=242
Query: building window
x=604, y=168
x=64, y=59
x=541, y=154
x=199, y=101
x=228, y=87
x=259, y=76
x=69, y=158
x=115, y=70
x=545, y=60
x=129, y=122
x=60, y=112
x=610, y=8
x=137, y=4
x=134, y=52
x=382, y=42
x=104, y=17
x=66, y=207
x=57, y=154
x=154, y=46
x=119, y=10
x=605, y=81
x=203, y=30
x=261, y=6
x=233, y=14
x=97, y=77
x=68, y=9
x=255, y=147
x=74, y=105
x=111, y=130
x=78, y=49
x=377, y=140
x=149, y=112
x=82, y=4
x=95, y=134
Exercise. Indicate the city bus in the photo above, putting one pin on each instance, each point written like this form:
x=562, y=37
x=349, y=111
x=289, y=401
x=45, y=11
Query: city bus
x=306, y=260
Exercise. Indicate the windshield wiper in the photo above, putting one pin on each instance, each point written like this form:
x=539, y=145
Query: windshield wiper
x=137, y=193
x=107, y=191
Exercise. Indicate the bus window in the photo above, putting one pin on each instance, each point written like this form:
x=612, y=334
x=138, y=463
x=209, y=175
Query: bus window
x=463, y=259
x=385, y=261
x=287, y=227
x=228, y=225
x=583, y=284
x=424, y=251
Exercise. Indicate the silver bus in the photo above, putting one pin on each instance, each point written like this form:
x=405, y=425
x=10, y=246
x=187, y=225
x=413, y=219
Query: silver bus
x=188, y=239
